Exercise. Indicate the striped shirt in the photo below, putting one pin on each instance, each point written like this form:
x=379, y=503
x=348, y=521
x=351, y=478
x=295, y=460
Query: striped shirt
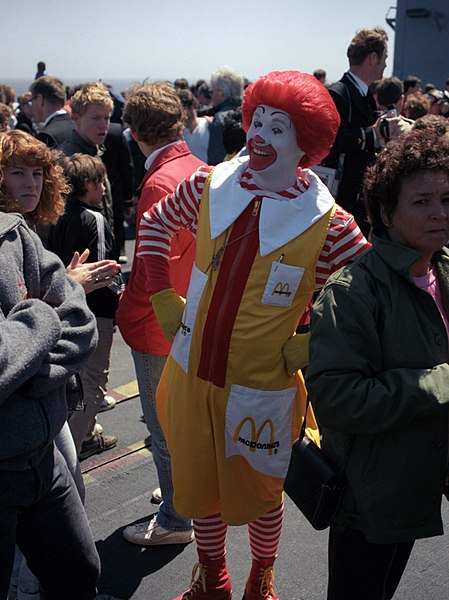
x=179, y=211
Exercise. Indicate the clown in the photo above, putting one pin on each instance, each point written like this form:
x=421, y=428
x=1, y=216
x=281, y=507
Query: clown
x=231, y=399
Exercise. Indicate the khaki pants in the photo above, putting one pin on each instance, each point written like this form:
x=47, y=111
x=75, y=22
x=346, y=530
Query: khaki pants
x=94, y=376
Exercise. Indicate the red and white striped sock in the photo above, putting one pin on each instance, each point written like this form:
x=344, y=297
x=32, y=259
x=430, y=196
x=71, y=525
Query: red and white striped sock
x=265, y=532
x=210, y=536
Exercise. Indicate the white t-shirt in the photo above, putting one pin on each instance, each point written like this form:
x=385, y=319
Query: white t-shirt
x=199, y=139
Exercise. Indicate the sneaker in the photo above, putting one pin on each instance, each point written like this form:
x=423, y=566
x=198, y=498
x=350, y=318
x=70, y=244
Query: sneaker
x=156, y=496
x=107, y=403
x=99, y=443
x=150, y=533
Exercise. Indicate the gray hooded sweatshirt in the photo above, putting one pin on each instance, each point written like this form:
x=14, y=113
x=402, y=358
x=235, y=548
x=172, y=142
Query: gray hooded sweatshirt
x=47, y=333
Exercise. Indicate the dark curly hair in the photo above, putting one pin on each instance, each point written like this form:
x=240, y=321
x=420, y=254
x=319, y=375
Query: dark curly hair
x=154, y=113
x=437, y=122
x=17, y=146
x=418, y=151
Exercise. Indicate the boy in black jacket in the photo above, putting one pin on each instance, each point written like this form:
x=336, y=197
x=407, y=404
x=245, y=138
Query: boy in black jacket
x=83, y=226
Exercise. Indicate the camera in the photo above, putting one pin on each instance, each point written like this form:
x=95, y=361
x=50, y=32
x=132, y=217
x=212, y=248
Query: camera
x=384, y=126
x=117, y=284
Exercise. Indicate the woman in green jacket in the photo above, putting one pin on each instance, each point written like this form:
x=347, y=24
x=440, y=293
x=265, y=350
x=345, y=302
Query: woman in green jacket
x=379, y=376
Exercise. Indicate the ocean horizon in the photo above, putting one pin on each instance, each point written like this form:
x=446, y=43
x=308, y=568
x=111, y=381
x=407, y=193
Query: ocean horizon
x=119, y=84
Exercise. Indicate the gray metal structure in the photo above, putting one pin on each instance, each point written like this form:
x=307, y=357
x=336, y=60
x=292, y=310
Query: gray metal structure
x=422, y=40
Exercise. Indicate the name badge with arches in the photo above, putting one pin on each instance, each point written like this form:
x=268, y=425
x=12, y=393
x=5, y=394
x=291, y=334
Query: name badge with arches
x=282, y=285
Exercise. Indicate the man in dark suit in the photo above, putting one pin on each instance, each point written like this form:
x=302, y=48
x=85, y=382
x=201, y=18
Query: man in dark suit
x=358, y=136
x=47, y=107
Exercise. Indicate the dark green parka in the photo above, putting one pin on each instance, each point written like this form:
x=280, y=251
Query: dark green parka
x=379, y=380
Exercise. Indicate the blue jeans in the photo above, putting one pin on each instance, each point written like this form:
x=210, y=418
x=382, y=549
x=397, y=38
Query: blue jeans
x=66, y=446
x=149, y=368
x=41, y=510
x=22, y=578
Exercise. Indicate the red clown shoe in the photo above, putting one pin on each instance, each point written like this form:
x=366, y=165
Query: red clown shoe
x=260, y=584
x=212, y=581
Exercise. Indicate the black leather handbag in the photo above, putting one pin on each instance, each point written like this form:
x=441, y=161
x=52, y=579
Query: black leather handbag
x=314, y=483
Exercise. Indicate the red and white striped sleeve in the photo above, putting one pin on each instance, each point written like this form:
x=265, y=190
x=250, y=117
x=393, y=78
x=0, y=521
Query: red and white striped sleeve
x=172, y=214
x=344, y=241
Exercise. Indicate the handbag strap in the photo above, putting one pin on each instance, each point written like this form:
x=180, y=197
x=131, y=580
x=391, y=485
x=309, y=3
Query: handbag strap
x=303, y=433
x=303, y=427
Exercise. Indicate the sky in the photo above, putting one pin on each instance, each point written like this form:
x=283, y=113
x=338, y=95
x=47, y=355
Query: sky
x=166, y=39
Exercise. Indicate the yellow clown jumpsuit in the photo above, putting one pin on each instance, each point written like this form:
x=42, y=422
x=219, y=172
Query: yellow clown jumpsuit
x=230, y=443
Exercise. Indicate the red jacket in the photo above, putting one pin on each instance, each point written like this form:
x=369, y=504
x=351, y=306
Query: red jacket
x=135, y=317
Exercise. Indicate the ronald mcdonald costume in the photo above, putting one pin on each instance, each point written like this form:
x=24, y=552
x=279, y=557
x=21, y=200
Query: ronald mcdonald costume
x=236, y=392
x=228, y=406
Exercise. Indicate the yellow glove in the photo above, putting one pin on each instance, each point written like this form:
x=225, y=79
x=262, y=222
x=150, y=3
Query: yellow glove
x=296, y=352
x=168, y=308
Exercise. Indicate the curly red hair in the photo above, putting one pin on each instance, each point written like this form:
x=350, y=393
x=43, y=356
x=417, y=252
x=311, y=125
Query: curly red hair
x=17, y=146
x=308, y=103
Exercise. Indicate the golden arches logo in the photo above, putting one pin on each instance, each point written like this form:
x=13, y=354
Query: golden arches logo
x=282, y=289
x=253, y=443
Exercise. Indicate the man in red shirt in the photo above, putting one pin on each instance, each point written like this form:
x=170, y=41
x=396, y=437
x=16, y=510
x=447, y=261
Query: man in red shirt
x=155, y=116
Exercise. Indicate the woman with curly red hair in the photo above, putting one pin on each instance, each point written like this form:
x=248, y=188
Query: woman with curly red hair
x=32, y=178
x=268, y=234
x=42, y=493
x=33, y=184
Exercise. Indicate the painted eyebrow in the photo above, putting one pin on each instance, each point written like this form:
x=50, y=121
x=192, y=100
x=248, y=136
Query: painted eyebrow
x=283, y=114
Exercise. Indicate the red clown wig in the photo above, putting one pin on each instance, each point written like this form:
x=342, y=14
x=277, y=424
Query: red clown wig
x=308, y=103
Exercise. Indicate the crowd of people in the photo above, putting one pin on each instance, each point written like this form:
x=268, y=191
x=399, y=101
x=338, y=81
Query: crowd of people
x=306, y=221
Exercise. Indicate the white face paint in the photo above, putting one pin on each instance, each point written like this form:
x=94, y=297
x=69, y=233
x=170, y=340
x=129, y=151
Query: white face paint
x=273, y=150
